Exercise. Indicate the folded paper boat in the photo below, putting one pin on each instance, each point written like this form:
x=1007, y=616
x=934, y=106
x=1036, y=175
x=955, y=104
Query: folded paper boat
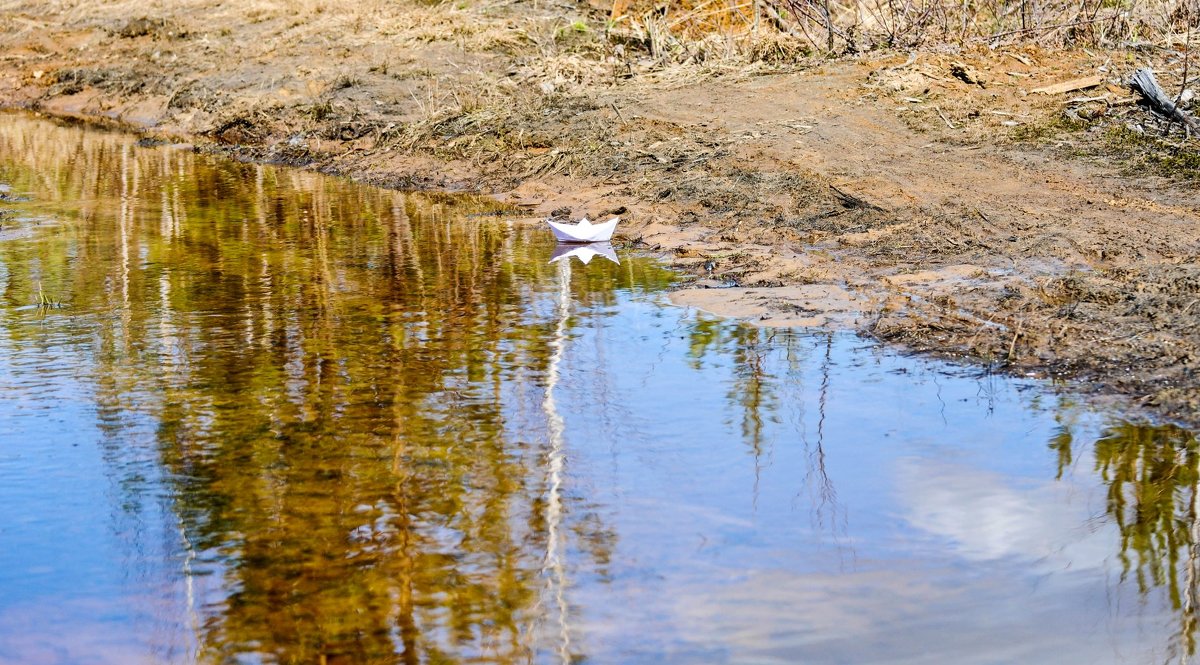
x=585, y=253
x=584, y=230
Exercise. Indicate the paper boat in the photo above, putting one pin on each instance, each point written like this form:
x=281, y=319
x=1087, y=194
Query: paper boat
x=584, y=230
x=584, y=253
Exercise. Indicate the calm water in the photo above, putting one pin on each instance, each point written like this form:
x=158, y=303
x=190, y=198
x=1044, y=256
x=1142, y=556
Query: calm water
x=283, y=418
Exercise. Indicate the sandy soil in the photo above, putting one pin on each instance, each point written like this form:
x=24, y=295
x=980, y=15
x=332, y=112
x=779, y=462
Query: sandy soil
x=932, y=199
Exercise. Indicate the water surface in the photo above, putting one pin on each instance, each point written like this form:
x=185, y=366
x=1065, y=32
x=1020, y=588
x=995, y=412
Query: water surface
x=251, y=414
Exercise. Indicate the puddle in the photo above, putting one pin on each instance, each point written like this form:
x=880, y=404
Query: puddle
x=285, y=418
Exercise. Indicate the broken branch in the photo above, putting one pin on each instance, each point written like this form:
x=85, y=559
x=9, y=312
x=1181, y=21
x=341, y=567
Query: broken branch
x=1143, y=83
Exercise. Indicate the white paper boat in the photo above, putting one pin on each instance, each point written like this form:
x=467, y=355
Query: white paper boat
x=584, y=253
x=584, y=230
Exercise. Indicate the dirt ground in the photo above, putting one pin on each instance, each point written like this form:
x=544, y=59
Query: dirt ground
x=937, y=199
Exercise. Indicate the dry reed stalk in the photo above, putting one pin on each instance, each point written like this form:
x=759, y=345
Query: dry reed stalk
x=853, y=25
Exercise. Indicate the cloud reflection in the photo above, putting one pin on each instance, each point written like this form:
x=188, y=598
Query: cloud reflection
x=910, y=614
x=983, y=516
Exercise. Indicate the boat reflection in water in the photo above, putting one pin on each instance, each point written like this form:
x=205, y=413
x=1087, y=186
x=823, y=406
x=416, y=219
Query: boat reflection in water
x=585, y=253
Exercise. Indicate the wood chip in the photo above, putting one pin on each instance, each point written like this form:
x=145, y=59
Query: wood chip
x=1024, y=60
x=1069, y=86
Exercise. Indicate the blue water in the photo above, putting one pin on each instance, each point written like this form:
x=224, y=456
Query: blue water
x=285, y=418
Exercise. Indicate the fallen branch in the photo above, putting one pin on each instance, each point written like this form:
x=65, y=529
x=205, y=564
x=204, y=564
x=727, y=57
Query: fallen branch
x=1143, y=83
x=944, y=118
x=851, y=201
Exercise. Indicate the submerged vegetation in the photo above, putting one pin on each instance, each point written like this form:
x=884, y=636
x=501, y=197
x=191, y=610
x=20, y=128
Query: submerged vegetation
x=44, y=301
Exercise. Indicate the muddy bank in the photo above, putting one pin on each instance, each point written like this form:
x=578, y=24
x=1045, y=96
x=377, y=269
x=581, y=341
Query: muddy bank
x=937, y=200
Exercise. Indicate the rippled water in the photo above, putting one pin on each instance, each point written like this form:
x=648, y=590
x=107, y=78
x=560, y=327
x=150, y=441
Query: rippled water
x=284, y=418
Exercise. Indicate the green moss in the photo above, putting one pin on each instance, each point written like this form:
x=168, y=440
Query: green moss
x=1159, y=154
x=1112, y=140
x=1051, y=129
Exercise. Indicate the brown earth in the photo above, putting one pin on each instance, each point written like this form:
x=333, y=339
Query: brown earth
x=932, y=199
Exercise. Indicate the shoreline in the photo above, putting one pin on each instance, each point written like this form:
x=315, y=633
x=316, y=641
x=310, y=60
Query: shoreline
x=878, y=194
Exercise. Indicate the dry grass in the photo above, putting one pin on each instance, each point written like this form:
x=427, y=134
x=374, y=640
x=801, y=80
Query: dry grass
x=850, y=26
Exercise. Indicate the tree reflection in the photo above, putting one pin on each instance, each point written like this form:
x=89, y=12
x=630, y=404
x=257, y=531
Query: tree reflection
x=752, y=387
x=757, y=394
x=1152, y=475
x=330, y=371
